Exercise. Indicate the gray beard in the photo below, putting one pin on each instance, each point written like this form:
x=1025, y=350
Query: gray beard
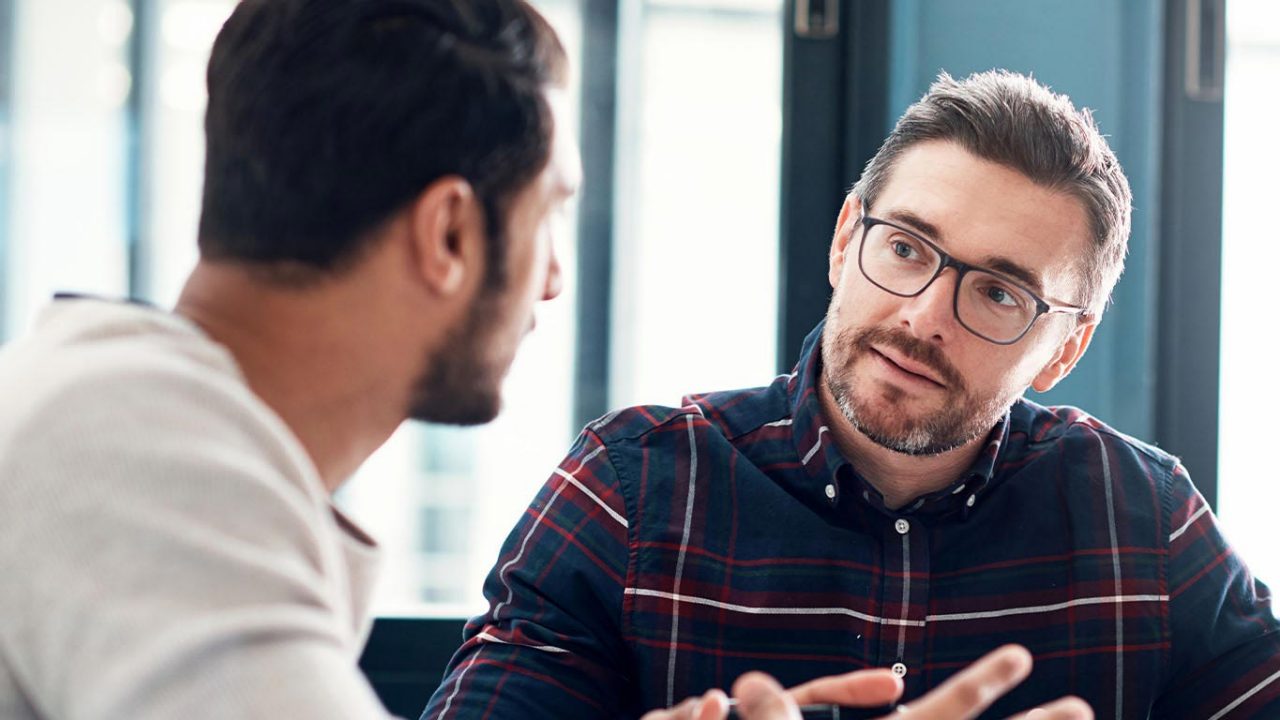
x=932, y=435
x=963, y=419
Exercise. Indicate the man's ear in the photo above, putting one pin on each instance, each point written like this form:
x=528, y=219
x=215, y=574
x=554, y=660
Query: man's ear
x=447, y=232
x=1068, y=355
x=850, y=212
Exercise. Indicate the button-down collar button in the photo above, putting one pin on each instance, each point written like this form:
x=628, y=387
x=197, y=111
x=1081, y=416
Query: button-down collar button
x=972, y=499
x=958, y=490
x=831, y=492
x=902, y=526
x=899, y=669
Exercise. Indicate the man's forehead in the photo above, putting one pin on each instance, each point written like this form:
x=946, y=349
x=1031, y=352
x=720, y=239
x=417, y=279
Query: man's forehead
x=987, y=214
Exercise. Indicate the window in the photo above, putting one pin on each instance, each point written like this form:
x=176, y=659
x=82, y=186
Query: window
x=1249, y=484
x=699, y=146
x=172, y=146
x=67, y=222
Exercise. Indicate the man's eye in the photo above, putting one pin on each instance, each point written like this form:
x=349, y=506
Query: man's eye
x=1001, y=296
x=903, y=250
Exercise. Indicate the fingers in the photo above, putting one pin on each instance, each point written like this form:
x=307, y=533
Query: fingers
x=683, y=711
x=861, y=688
x=714, y=705
x=973, y=689
x=966, y=695
x=1068, y=708
x=760, y=697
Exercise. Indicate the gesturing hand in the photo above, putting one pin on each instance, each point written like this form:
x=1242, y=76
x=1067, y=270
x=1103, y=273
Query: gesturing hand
x=966, y=695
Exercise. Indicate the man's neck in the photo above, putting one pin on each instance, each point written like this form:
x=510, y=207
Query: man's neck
x=305, y=355
x=899, y=477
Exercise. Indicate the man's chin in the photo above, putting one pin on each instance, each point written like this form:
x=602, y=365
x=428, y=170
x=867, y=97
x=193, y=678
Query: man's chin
x=453, y=408
x=909, y=444
x=917, y=432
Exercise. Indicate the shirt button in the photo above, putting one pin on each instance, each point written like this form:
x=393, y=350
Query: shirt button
x=831, y=492
x=972, y=499
x=902, y=526
x=899, y=669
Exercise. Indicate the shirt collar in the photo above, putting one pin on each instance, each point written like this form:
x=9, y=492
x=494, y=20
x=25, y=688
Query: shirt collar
x=833, y=477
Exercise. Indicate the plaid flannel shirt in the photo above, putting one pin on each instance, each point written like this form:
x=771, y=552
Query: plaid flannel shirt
x=676, y=548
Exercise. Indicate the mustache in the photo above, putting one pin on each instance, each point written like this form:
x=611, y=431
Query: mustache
x=927, y=354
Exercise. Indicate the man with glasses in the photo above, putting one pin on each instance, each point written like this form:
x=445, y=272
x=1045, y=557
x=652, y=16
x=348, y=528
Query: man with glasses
x=894, y=502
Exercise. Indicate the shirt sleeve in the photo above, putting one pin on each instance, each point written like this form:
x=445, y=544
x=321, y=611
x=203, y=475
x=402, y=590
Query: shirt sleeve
x=159, y=562
x=1225, y=654
x=550, y=644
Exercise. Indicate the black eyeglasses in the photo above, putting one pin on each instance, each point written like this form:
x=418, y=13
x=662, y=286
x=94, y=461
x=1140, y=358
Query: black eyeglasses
x=987, y=304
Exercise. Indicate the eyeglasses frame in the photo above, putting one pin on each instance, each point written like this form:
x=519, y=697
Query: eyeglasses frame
x=1043, y=307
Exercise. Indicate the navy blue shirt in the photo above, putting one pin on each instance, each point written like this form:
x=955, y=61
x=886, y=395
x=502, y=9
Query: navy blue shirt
x=676, y=548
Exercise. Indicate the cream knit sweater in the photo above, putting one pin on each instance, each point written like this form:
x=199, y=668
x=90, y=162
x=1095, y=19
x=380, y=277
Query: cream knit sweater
x=167, y=549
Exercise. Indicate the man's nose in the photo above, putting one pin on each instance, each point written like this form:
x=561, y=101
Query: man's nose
x=555, y=278
x=931, y=314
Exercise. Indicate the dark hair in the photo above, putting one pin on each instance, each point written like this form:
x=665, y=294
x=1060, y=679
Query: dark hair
x=1012, y=120
x=326, y=116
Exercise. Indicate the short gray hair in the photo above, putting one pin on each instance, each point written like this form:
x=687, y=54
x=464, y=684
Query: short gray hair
x=1012, y=120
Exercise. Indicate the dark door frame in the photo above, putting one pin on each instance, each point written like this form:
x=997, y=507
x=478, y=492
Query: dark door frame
x=834, y=119
x=1190, y=254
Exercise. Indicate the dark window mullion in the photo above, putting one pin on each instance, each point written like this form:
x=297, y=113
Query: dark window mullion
x=835, y=100
x=599, y=65
x=1188, y=346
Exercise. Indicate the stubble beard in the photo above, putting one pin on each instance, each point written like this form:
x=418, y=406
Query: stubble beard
x=873, y=410
x=460, y=385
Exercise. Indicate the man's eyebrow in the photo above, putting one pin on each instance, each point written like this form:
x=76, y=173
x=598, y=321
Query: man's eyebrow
x=996, y=263
x=1005, y=266
x=917, y=223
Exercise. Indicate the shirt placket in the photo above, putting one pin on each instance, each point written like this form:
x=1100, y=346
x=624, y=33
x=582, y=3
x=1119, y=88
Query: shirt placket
x=905, y=601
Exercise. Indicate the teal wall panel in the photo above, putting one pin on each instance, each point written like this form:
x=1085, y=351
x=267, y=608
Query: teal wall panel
x=1107, y=55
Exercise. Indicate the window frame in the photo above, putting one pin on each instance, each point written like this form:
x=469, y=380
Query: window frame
x=1189, y=298
x=598, y=129
x=834, y=118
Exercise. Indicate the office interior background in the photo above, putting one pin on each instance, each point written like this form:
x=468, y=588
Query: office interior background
x=719, y=137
